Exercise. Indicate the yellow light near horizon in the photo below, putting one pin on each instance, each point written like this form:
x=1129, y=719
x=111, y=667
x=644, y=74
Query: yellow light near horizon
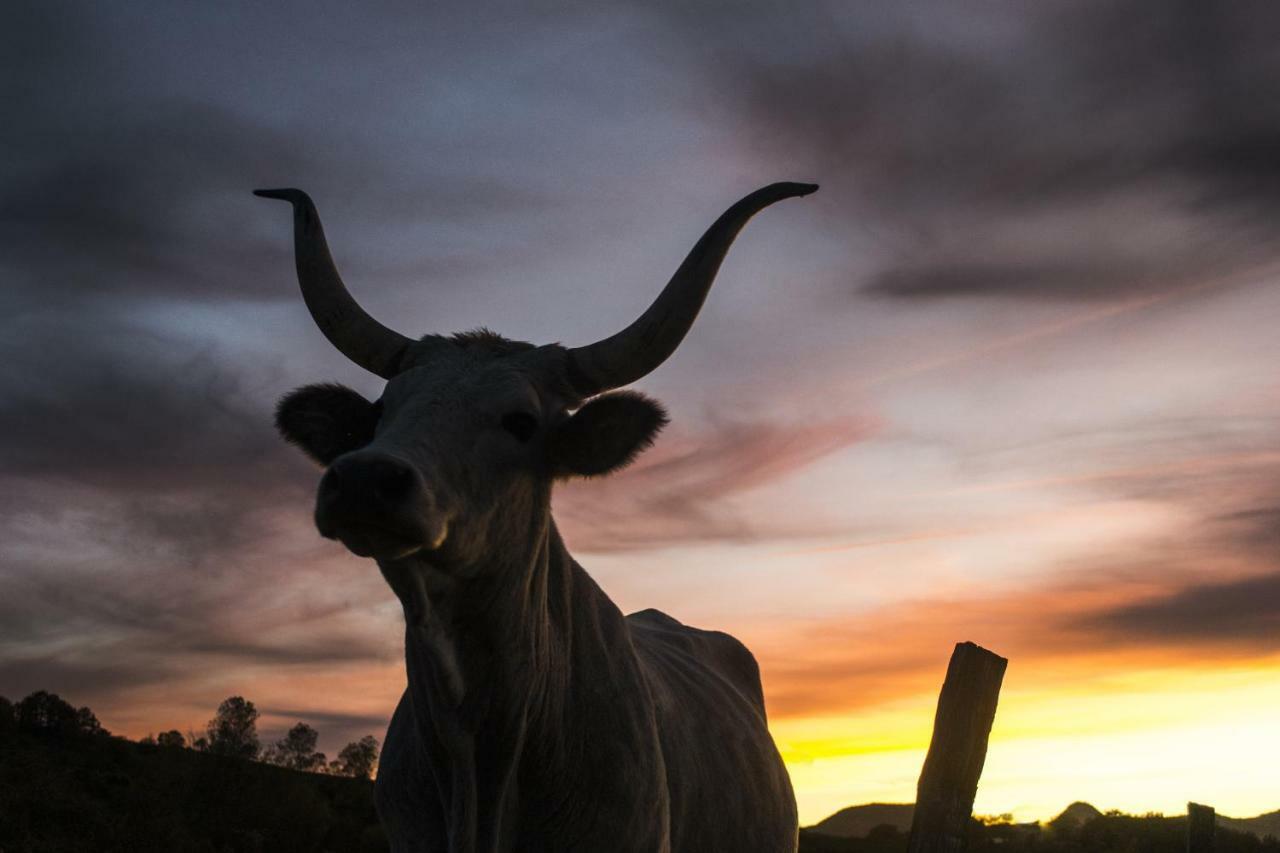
x=1147, y=741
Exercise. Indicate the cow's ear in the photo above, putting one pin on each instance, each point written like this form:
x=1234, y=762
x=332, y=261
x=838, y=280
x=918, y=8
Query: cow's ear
x=326, y=421
x=605, y=434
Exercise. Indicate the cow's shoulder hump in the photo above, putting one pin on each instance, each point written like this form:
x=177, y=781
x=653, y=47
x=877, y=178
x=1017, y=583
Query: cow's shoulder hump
x=723, y=653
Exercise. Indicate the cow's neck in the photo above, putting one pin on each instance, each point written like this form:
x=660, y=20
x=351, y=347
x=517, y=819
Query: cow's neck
x=515, y=669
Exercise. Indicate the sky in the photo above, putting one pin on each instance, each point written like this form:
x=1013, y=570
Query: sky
x=1010, y=376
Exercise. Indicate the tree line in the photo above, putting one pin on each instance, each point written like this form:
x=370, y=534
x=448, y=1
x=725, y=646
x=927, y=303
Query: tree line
x=232, y=732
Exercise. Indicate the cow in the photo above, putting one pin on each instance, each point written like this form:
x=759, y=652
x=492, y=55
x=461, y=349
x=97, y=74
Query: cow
x=536, y=716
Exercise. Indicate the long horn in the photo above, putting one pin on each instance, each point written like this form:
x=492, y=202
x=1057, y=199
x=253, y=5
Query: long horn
x=639, y=348
x=356, y=335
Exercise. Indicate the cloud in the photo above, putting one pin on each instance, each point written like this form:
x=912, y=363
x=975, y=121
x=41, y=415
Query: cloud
x=125, y=179
x=1236, y=613
x=1071, y=630
x=981, y=151
x=683, y=491
x=112, y=192
x=375, y=722
x=106, y=403
x=79, y=681
x=1202, y=594
x=1066, y=280
x=1057, y=630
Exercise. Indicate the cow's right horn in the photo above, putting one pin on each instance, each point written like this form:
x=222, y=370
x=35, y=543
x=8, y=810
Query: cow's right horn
x=347, y=326
x=639, y=348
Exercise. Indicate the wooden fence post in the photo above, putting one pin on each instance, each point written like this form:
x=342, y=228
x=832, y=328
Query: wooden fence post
x=1200, y=825
x=949, y=780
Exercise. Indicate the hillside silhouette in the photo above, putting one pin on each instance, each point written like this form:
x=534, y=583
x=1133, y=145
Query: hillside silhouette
x=1076, y=815
x=67, y=785
x=857, y=821
x=109, y=794
x=1080, y=828
x=1262, y=826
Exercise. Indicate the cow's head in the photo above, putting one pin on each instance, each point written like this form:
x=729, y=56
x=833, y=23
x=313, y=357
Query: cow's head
x=461, y=449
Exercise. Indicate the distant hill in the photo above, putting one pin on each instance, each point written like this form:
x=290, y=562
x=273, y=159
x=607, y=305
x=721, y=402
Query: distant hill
x=857, y=821
x=1076, y=814
x=1078, y=829
x=1261, y=826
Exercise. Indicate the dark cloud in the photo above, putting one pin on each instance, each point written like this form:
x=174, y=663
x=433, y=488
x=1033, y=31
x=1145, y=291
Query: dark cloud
x=80, y=681
x=120, y=180
x=108, y=403
x=152, y=206
x=1062, y=280
x=985, y=151
x=1241, y=612
x=1224, y=483
x=107, y=190
x=326, y=650
x=1238, y=613
x=1255, y=530
x=369, y=722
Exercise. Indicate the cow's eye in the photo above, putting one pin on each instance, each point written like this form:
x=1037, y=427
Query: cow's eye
x=520, y=424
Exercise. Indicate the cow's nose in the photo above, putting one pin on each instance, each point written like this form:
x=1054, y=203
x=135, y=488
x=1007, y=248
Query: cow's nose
x=364, y=486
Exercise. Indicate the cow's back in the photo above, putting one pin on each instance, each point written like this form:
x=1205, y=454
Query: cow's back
x=729, y=788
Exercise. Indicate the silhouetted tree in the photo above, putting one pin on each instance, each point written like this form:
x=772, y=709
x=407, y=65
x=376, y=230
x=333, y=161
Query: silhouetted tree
x=297, y=750
x=357, y=759
x=234, y=730
x=47, y=713
x=171, y=739
x=87, y=723
x=8, y=718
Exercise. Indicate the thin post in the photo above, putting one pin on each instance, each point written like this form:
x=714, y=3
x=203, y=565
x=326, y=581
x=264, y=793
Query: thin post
x=1200, y=825
x=949, y=781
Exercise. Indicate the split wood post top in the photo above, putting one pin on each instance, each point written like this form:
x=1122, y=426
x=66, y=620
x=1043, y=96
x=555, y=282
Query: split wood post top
x=949, y=780
x=1200, y=825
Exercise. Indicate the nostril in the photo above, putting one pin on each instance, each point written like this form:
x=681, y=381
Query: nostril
x=360, y=484
x=394, y=480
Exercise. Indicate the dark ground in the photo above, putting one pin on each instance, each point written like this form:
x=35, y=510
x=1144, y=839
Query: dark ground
x=67, y=794
x=102, y=793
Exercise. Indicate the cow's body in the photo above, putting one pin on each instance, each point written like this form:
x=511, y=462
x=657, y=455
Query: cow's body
x=537, y=717
x=642, y=734
x=727, y=784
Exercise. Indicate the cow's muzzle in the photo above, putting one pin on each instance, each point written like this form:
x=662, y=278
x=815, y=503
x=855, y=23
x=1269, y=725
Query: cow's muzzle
x=378, y=506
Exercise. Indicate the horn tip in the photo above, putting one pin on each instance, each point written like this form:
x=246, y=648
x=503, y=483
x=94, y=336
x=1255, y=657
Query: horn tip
x=777, y=192
x=800, y=189
x=289, y=194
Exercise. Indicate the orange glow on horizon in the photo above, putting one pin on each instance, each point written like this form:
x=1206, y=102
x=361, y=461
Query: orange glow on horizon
x=1138, y=741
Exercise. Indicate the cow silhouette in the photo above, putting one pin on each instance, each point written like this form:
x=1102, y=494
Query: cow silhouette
x=536, y=717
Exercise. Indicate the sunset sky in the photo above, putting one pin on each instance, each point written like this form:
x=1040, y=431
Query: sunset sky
x=1012, y=376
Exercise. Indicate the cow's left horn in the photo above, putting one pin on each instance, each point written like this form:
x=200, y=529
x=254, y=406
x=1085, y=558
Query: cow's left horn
x=347, y=326
x=639, y=348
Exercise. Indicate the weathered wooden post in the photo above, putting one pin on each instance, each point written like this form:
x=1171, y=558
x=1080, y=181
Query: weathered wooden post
x=1200, y=825
x=949, y=780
